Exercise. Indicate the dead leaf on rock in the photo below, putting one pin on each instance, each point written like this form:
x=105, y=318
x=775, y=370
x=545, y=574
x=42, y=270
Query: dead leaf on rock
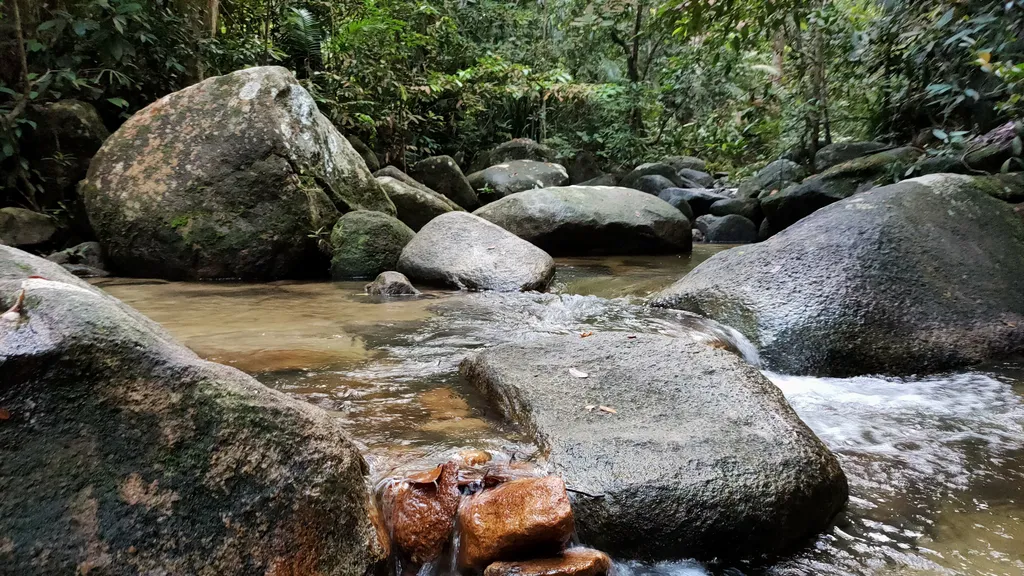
x=578, y=373
x=4, y=414
x=586, y=334
x=590, y=407
x=631, y=337
x=425, y=477
x=607, y=409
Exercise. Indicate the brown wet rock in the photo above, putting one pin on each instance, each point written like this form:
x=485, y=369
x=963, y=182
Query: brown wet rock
x=518, y=519
x=572, y=562
x=420, y=512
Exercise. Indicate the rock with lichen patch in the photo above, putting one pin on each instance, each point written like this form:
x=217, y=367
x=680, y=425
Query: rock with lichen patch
x=232, y=177
x=125, y=453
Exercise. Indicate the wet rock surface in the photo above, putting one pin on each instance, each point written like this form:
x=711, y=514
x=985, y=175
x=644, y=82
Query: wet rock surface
x=514, y=176
x=526, y=518
x=701, y=456
x=466, y=252
x=918, y=276
x=443, y=175
x=124, y=453
x=419, y=512
x=574, y=220
x=391, y=284
x=225, y=179
x=572, y=562
x=366, y=243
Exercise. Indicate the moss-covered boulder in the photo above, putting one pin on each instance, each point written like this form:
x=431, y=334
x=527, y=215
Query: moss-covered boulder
x=835, y=154
x=922, y=275
x=227, y=178
x=124, y=453
x=366, y=243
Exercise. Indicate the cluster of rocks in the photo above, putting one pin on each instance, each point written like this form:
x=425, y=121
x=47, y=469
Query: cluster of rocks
x=510, y=519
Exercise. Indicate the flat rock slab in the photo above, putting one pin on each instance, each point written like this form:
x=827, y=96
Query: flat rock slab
x=581, y=220
x=703, y=457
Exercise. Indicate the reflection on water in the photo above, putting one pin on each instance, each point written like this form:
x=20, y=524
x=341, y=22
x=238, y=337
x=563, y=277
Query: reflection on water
x=936, y=465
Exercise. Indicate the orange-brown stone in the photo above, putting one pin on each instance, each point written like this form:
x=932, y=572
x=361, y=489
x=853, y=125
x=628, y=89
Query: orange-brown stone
x=420, y=513
x=521, y=519
x=572, y=562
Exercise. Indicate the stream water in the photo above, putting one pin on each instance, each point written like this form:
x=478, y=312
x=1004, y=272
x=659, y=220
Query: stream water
x=936, y=464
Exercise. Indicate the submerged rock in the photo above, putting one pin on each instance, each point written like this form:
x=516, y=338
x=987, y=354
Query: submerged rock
x=703, y=457
x=415, y=205
x=442, y=174
x=125, y=453
x=227, y=178
x=23, y=228
x=517, y=520
x=573, y=220
x=572, y=562
x=419, y=513
x=366, y=243
x=919, y=276
x=464, y=251
x=514, y=176
x=391, y=284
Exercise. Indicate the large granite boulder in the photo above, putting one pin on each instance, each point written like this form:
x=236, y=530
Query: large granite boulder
x=442, y=174
x=677, y=197
x=227, y=178
x=783, y=208
x=701, y=179
x=652, y=184
x=919, y=276
x=702, y=456
x=365, y=243
x=515, y=149
x=124, y=453
x=835, y=154
x=365, y=152
x=26, y=228
x=514, y=176
x=415, y=205
x=464, y=251
x=575, y=220
x=779, y=173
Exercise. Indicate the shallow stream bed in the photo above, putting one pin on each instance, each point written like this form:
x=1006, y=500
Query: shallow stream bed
x=936, y=464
